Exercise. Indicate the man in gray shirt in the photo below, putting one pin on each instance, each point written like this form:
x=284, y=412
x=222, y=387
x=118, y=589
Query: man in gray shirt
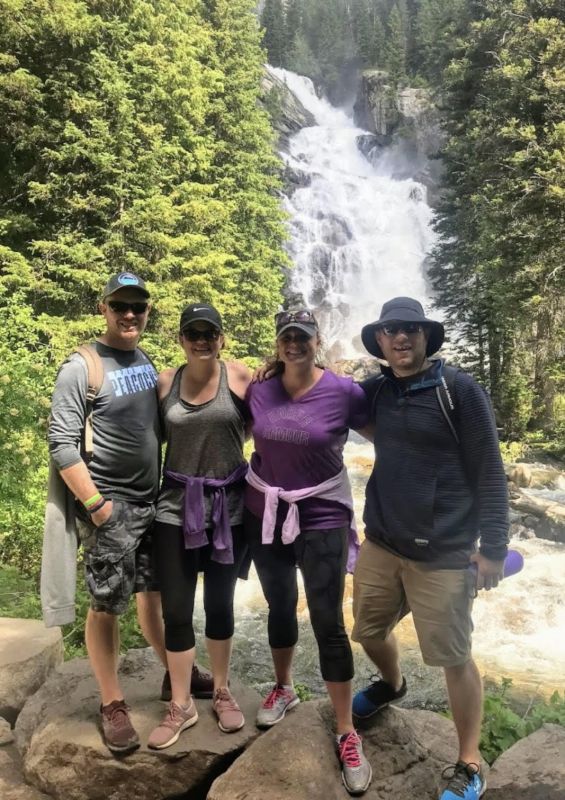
x=116, y=491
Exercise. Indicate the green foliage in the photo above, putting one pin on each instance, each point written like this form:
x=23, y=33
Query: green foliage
x=19, y=597
x=131, y=139
x=502, y=726
x=512, y=451
x=303, y=692
x=498, y=271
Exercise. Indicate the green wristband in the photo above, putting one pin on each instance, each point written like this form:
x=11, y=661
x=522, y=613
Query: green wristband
x=92, y=501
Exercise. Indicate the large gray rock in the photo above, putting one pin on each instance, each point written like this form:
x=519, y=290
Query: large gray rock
x=64, y=756
x=408, y=120
x=28, y=653
x=533, y=769
x=287, y=113
x=296, y=760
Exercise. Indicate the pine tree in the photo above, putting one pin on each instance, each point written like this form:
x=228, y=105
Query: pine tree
x=274, y=39
x=396, y=44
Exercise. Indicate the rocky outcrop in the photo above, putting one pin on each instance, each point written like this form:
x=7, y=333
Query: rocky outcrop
x=287, y=113
x=28, y=653
x=297, y=761
x=535, y=511
x=57, y=733
x=407, y=119
x=532, y=769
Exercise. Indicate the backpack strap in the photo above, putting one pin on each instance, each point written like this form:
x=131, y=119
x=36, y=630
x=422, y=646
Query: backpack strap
x=446, y=397
x=445, y=393
x=379, y=383
x=95, y=372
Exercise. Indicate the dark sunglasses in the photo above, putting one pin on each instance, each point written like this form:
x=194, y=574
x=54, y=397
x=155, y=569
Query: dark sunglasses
x=302, y=338
x=193, y=334
x=286, y=317
x=121, y=307
x=409, y=328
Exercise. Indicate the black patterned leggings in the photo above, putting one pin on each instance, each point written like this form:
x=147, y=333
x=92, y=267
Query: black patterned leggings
x=321, y=556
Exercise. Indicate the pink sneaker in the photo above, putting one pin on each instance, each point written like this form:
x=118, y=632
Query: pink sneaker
x=229, y=714
x=177, y=719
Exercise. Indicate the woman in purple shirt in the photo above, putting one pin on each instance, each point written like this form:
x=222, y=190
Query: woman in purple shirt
x=300, y=423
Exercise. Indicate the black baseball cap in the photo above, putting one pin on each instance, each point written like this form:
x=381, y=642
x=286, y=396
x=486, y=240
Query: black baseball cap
x=124, y=280
x=200, y=312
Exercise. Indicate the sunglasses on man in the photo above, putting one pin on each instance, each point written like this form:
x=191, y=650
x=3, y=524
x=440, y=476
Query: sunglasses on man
x=121, y=307
x=194, y=334
x=409, y=328
x=286, y=317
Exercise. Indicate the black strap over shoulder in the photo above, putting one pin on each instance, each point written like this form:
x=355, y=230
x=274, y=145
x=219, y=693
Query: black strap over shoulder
x=445, y=393
x=446, y=397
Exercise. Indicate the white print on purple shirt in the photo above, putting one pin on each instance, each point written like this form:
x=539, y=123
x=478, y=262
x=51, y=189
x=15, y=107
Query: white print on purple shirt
x=285, y=435
x=294, y=413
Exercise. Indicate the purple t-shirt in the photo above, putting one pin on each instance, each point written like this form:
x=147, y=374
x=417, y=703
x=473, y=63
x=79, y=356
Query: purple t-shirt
x=299, y=443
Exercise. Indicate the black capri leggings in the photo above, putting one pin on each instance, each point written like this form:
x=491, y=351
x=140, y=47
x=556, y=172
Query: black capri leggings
x=322, y=558
x=177, y=571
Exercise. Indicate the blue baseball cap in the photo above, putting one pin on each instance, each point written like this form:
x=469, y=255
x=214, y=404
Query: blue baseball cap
x=124, y=280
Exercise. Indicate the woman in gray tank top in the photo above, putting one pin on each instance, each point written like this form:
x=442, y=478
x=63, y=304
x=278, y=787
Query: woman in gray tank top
x=199, y=514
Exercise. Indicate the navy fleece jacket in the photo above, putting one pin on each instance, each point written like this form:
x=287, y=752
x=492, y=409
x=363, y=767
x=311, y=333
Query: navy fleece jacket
x=429, y=498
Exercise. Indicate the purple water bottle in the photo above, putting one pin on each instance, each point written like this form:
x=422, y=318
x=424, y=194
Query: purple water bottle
x=513, y=563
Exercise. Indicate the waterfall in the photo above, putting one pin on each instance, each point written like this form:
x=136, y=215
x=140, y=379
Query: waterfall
x=357, y=236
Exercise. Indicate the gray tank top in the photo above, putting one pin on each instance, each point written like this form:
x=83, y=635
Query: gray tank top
x=203, y=440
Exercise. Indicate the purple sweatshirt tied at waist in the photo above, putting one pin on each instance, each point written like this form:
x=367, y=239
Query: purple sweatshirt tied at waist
x=337, y=489
x=193, y=523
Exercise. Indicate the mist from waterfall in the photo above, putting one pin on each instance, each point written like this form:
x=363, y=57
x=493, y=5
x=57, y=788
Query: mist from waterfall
x=358, y=237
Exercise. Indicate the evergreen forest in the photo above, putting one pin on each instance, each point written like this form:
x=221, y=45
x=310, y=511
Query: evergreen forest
x=131, y=139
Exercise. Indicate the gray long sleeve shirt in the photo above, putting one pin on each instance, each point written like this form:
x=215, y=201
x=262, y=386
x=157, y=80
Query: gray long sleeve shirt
x=126, y=457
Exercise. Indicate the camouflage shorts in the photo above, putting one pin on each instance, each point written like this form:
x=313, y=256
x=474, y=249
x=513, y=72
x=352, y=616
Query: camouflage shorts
x=118, y=556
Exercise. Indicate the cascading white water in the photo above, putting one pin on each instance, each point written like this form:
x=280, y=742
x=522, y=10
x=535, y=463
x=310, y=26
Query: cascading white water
x=358, y=237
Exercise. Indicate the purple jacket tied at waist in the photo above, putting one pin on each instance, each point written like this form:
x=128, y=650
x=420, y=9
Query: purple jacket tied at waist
x=194, y=514
x=337, y=489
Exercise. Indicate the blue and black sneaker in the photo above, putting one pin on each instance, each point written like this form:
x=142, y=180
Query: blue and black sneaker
x=464, y=782
x=377, y=695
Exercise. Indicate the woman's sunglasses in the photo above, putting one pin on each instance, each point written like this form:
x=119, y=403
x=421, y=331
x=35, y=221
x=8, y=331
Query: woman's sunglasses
x=286, y=317
x=193, y=334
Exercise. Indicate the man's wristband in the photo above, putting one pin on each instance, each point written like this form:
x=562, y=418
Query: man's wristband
x=93, y=509
x=92, y=501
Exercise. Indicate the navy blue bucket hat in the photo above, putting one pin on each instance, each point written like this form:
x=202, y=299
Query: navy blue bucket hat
x=403, y=309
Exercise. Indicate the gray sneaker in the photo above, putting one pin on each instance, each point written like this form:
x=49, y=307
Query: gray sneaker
x=356, y=771
x=275, y=705
x=177, y=719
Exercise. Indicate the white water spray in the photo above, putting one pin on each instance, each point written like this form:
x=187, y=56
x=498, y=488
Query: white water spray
x=358, y=237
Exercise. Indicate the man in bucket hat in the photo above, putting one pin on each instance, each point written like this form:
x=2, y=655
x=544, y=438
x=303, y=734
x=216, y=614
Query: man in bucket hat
x=438, y=485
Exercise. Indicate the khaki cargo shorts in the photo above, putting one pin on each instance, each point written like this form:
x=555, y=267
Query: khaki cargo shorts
x=386, y=587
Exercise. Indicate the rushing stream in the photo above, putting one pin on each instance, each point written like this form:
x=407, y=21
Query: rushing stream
x=360, y=237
